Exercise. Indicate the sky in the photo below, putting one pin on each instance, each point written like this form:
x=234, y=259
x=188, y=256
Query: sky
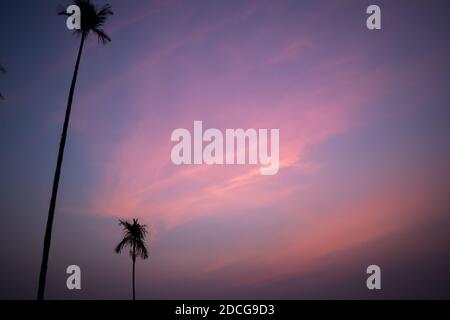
x=364, y=149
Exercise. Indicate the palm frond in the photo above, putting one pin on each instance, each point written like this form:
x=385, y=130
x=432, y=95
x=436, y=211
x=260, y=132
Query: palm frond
x=102, y=15
x=141, y=250
x=127, y=241
x=61, y=11
x=2, y=70
x=92, y=19
x=102, y=36
x=134, y=235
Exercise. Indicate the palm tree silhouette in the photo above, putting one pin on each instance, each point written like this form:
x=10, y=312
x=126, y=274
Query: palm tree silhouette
x=2, y=70
x=133, y=237
x=92, y=19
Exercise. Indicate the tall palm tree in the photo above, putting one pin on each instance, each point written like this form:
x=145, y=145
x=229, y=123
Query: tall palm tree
x=2, y=70
x=92, y=19
x=133, y=237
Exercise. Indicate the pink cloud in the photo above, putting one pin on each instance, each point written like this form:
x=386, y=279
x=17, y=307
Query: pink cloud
x=140, y=179
x=290, y=52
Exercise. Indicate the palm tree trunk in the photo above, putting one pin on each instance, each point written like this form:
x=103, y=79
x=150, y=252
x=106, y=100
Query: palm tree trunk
x=134, y=266
x=51, y=211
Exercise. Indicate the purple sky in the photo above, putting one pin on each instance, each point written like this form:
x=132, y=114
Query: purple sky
x=364, y=150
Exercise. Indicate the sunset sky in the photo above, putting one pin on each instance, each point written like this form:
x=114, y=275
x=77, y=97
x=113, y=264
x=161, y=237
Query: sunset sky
x=364, y=178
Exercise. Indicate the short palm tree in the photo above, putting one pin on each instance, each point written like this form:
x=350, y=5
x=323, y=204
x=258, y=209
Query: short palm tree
x=92, y=19
x=134, y=235
x=2, y=70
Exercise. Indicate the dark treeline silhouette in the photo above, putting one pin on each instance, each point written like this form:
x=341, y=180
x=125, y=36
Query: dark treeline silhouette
x=134, y=235
x=92, y=19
